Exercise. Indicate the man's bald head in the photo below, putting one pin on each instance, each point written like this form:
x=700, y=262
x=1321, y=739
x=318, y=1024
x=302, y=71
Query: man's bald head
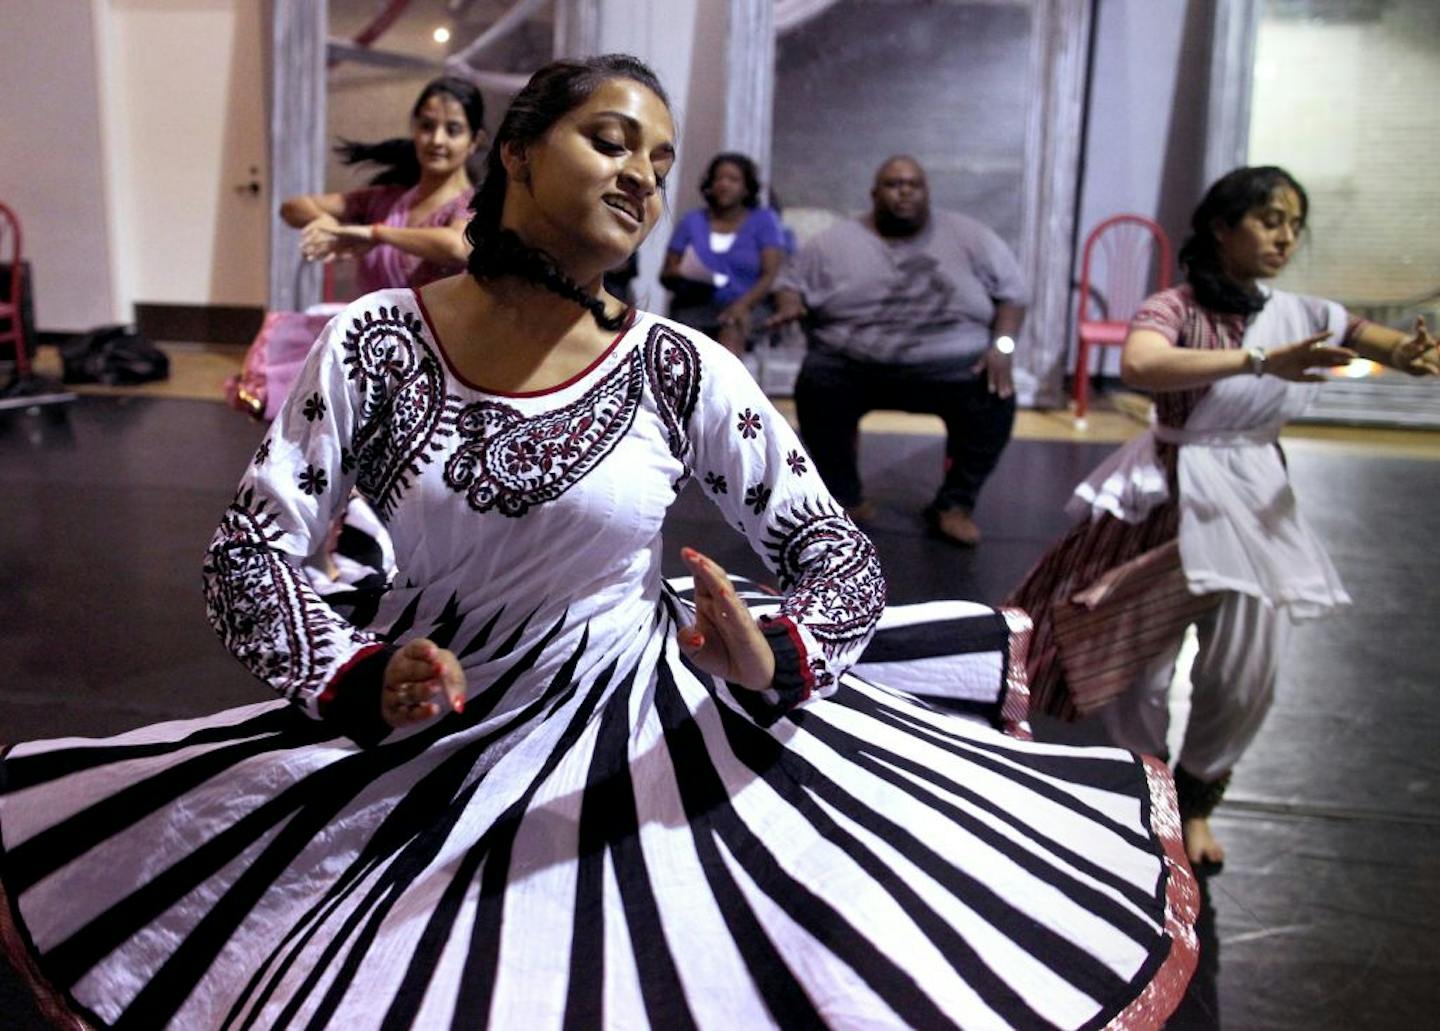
x=899, y=164
x=901, y=197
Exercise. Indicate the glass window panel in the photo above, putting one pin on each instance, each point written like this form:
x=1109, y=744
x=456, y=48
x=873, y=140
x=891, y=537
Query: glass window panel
x=947, y=82
x=1344, y=97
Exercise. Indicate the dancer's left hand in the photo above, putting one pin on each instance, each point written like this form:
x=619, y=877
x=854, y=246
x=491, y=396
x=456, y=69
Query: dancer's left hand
x=1420, y=355
x=418, y=678
x=725, y=641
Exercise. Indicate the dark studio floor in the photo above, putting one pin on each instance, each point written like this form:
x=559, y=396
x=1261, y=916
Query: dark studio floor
x=1328, y=910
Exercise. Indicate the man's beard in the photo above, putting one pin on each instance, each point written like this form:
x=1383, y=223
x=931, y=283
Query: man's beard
x=888, y=224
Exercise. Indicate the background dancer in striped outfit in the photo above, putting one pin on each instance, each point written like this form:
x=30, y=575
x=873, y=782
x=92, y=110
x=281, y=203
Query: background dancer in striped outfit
x=1194, y=521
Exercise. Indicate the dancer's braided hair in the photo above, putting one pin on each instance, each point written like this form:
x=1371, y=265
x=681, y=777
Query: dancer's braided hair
x=551, y=93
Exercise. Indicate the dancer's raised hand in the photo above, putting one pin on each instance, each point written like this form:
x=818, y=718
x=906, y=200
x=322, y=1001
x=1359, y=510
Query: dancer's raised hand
x=1419, y=355
x=1302, y=360
x=725, y=639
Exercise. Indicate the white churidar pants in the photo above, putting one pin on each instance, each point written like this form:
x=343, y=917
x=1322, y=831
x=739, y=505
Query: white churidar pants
x=1232, y=688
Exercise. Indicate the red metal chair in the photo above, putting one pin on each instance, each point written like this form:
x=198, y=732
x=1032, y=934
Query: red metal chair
x=10, y=251
x=1126, y=258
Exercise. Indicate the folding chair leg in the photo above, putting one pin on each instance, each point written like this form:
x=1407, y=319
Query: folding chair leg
x=1081, y=388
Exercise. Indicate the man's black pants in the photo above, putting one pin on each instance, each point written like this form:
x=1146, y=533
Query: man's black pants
x=833, y=392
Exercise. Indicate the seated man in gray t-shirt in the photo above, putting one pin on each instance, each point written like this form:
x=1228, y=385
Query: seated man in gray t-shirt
x=913, y=310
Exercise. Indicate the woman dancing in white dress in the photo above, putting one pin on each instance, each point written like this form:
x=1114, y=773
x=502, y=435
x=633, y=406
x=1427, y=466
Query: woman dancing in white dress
x=532, y=785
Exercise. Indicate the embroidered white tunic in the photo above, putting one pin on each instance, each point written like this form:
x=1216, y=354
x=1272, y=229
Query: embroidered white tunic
x=606, y=836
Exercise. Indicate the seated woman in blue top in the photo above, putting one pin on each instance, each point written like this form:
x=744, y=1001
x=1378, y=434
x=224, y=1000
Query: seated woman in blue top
x=723, y=257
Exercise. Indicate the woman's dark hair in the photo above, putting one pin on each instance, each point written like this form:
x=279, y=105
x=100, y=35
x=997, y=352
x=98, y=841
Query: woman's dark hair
x=399, y=165
x=552, y=92
x=1227, y=201
x=747, y=170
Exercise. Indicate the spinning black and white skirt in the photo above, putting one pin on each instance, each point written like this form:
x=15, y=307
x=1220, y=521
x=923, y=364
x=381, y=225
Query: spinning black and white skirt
x=626, y=850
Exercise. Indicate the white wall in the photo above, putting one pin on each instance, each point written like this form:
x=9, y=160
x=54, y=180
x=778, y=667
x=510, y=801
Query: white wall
x=126, y=126
x=1145, y=137
x=188, y=105
x=678, y=39
x=52, y=157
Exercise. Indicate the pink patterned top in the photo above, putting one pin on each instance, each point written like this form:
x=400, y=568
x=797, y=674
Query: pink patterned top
x=382, y=267
x=1177, y=316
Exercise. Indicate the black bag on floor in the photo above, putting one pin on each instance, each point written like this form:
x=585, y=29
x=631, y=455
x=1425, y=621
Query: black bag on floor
x=115, y=356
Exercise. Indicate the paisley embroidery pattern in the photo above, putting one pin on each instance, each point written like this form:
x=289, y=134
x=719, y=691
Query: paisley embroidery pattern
x=512, y=463
x=263, y=607
x=829, y=571
x=672, y=365
x=405, y=411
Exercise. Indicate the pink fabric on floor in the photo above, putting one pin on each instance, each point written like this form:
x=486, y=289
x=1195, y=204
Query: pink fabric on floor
x=273, y=362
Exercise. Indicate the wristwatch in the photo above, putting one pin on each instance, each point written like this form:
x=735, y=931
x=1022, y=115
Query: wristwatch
x=1004, y=344
x=1257, y=360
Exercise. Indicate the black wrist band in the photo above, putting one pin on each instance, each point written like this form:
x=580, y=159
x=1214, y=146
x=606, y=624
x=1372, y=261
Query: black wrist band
x=351, y=702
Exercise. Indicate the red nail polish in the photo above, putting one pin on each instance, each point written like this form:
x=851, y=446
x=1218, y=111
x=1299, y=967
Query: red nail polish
x=459, y=704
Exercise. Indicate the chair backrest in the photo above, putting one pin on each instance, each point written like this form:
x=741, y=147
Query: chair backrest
x=1126, y=259
x=10, y=248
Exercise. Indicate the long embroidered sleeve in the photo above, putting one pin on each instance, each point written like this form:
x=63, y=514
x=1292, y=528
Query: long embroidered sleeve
x=257, y=597
x=753, y=467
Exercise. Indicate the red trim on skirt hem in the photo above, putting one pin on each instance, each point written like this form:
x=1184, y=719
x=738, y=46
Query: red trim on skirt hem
x=51, y=1002
x=1162, y=995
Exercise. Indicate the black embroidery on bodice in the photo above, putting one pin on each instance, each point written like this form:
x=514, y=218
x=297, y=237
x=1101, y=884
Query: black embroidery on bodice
x=405, y=411
x=511, y=463
x=263, y=607
x=672, y=364
x=838, y=592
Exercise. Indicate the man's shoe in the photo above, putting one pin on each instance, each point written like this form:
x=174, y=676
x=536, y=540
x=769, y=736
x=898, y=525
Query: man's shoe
x=863, y=512
x=954, y=525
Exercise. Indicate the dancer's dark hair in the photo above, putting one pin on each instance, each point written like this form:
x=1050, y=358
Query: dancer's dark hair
x=396, y=157
x=552, y=92
x=747, y=170
x=1227, y=201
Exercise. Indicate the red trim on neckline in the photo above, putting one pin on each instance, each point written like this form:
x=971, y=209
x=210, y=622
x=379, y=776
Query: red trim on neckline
x=445, y=356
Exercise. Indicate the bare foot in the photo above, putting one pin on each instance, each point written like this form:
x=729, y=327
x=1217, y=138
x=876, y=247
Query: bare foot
x=1201, y=846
